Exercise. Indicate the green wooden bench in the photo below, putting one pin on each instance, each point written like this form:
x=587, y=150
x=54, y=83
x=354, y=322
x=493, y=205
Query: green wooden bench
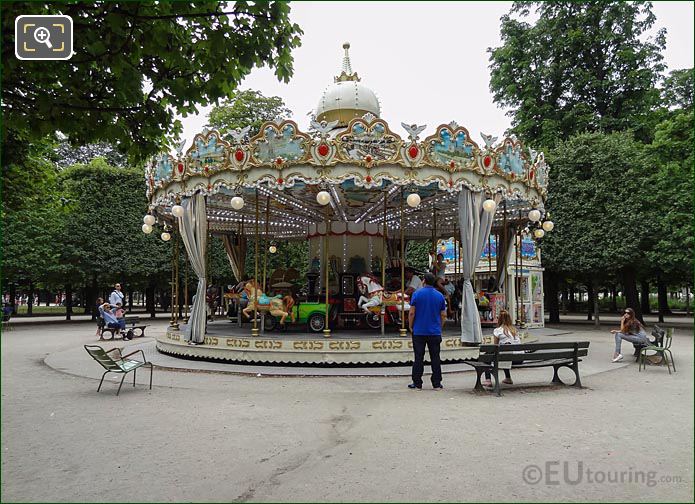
x=131, y=324
x=119, y=364
x=556, y=354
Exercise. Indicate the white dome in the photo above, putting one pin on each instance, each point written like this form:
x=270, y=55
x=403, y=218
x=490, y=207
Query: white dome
x=347, y=98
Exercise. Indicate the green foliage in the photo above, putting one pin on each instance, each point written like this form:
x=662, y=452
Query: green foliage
x=599, y=185
x=669, y=198
x=677, y=91
x=580, y=67
x=101, y=227
x=290, y=254
x=246, y=108
x=138, y=64
x=417, y=254
x=30, y=217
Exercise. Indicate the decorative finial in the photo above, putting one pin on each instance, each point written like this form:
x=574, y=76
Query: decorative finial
x=347, y=67
x=346, y=73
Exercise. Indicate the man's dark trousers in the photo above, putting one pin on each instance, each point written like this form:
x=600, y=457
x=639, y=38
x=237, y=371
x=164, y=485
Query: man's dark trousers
x=433, y=343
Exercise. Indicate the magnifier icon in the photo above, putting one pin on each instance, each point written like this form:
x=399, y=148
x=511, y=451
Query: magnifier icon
x=43, y=36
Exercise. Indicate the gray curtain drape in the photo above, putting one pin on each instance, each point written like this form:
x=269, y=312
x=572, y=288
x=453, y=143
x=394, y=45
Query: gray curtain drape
x=194, y=232
x=236, y=246
x=475, y=224
x=503, y=252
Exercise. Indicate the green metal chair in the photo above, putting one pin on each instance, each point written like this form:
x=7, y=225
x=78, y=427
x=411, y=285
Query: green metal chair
x=121, y=364
x=664, y=351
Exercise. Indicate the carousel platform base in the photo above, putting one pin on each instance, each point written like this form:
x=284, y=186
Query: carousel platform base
x=225, y=341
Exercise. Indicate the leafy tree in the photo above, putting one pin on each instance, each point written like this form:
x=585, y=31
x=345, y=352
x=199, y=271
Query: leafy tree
x=246, y=108
x=677, y=89
x=68, y=155
x=101, y=238
x=599, y=190
x=669, y=250
x=580, y=67
x=138, y=64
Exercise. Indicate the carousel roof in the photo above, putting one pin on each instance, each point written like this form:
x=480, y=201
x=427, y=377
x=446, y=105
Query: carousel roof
x=362, y=164
x=347, y=98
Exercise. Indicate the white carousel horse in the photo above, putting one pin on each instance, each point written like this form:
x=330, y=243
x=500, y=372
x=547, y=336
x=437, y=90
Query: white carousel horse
x=376, y=295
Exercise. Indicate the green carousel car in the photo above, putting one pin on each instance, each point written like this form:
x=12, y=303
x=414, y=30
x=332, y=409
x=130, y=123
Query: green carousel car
x=311, y=313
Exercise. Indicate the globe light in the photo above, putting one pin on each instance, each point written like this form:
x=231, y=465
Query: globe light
x=539, y=233
x=166, y=236
x=146, y=228
x=534, y=215
x=489, y=205
x=148, y=219
x=177, y=211
x=323, y=198
x=237, y=202
x=272, y=249
x=413, y=200
x=548, y=226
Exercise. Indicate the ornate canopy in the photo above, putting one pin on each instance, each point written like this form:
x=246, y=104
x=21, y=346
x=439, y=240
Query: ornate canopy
x=352, y=154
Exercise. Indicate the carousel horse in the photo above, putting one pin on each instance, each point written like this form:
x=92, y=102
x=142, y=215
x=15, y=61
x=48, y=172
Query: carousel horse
x=376, y=295
x=256, y=298
x=282, y=307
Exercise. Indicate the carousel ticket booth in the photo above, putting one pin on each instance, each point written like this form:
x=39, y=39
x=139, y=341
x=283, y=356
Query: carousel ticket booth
x=356, y=192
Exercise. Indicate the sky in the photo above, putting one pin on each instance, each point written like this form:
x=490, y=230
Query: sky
x=426, y=61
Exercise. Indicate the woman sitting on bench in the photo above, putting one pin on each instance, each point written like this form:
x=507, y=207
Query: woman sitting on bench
x=504, y=334
x=630, y=330
x=111, y=320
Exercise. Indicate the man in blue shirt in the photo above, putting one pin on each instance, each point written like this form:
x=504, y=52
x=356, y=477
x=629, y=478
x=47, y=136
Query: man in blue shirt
x=426, y=317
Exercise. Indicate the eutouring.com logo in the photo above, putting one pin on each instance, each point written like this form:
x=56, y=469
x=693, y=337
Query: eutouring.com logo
x=559, y=472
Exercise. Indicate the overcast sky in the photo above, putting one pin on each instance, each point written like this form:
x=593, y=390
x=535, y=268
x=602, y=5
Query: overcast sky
x=426, y=61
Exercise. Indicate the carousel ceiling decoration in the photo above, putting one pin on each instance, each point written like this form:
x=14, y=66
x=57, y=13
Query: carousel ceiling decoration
x=350, y=158
x=366, y=152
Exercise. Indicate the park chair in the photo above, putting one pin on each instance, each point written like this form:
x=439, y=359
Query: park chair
x=120, y=364
x=664, y=350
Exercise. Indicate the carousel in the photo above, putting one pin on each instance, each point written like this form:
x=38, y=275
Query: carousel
x=357, y=193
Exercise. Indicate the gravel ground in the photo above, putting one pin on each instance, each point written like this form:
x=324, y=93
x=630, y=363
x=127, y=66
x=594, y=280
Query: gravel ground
x=201, y=436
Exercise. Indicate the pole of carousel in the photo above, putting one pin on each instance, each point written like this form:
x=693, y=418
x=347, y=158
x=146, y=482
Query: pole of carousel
x=384, y=253
x=175, y=283
x=517, y=246
x=265, y=242
x=185, y=289
x=521, y=270
x=254, y=330
x=326, y=329
x=402, y=332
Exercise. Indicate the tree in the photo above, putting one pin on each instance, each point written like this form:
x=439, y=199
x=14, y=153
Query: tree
x=580, y=67
x=246, y=108
x=138, y=64
x=677, y=90
x=68, y=155
x=600, y=186
x=30, y=217
x=101, y=238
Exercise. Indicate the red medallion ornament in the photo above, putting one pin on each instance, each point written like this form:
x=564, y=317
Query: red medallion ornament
x=413, y=151
x=323, y=150
x=180, y=167
x=239, y=155
x=452, y=165
x=280, y=181
x=368, y=158
x=487, y=160
x=278, y=161
x=368, y=179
